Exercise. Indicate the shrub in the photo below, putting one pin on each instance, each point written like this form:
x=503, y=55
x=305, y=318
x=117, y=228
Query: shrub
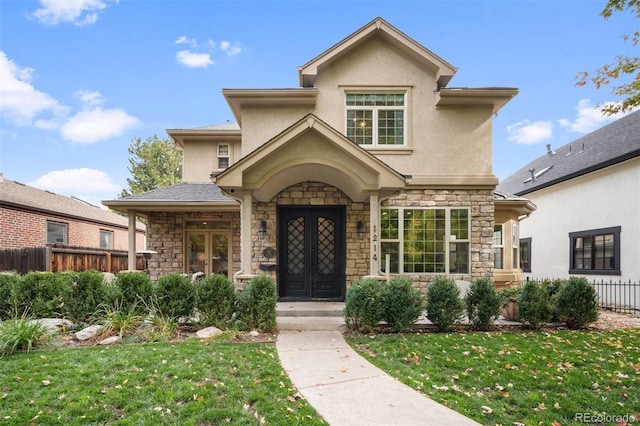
x=8, y=283
x=257, y=304
x=134, y=289
x=21, y=333
x=364, y=307
x=175, y=295
x=577, y=303
x=444, y=306
x=483, y=304
x=117, y=319
x=215, y=296
x=534, y=309
x=40, y=294
x=402, y=304
x=553, y=288
x=83, y=293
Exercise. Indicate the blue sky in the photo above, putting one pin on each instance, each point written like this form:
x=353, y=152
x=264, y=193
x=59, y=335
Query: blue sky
x=80, y=79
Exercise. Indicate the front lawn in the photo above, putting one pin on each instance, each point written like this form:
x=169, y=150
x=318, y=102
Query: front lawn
x=189, y=382
x=518, y=378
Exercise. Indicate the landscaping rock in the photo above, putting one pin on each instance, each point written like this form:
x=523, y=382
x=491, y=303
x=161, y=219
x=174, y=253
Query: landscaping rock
x=89, y=332
x=108, y=277
x=54, y=325
x=205, y=333
x=254, y=333
x=109, y=340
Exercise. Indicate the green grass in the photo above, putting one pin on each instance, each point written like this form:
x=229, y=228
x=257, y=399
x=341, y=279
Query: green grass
x=517, y=378
x=182, y=383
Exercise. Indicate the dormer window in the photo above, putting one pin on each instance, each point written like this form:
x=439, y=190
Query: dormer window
x=223, y=156
x=376, y=119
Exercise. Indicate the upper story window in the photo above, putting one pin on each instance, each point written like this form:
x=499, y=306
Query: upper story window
x=106, y=239
x=376, y=119
x=223, y=156
x=596, y=251
x=56, y=232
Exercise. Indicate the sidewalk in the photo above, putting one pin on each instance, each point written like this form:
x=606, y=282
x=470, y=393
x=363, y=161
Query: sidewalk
x=347, y=390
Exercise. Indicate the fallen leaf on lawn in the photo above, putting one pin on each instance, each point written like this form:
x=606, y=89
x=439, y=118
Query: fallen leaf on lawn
x=46, y=382
x=556, y=406
x=486, y=410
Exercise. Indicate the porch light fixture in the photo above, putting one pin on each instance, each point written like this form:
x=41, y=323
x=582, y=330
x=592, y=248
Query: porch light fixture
x=262, y=231
x=360, y=229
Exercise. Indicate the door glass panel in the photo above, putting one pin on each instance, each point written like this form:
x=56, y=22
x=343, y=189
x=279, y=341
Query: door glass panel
x=326, y=253
x=196, y=252
x=219, y=254
x=295, y=246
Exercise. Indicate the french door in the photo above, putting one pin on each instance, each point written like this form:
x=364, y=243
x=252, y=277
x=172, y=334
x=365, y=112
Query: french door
x=208, y=252
x=311, y=258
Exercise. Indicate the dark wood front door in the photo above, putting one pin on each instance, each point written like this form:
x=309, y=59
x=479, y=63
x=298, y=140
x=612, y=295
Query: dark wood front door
x=311, y=243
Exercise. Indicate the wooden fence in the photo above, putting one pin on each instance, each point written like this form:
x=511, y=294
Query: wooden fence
x=58, y=258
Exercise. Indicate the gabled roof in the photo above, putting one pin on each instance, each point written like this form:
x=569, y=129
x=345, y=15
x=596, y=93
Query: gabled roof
x=444, y=71
x=184, y=196
x=309, y=150
x=609, y=145
x=20, y=196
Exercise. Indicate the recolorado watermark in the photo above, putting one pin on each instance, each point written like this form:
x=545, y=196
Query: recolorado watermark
x=606, y=418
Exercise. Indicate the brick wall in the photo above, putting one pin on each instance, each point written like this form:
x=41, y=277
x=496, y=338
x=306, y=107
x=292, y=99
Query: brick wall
x=21, y=228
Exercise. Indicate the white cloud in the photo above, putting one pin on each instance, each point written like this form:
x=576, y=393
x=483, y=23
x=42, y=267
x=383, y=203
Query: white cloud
x=90, y=185
x=97, y=124
x=89, y=98
x=185, y=40
x=588, y=118
x=528, y=133
x=194, y=60
x=230, y=49
x=20, y=102
x=76, y=12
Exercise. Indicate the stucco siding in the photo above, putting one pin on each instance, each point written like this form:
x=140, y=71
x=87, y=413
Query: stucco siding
x=602, y=199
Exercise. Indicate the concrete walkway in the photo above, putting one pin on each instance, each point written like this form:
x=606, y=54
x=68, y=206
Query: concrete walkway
x=347, y=390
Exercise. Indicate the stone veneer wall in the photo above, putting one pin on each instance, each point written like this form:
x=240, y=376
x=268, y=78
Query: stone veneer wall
x=166, y=234
x=315, y=194
x=482, y=206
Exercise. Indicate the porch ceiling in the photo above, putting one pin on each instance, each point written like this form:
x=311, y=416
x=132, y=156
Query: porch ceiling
x=310, y=150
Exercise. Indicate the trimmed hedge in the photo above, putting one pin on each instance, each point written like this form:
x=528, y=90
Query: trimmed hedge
x=444, y=306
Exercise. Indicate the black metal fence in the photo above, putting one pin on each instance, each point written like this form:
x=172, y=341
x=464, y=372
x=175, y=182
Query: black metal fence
x=616, y=296
x=619, y=296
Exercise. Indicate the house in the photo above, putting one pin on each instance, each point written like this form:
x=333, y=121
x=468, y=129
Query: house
x=372, y=166
x=31, y=217
x=588, y=198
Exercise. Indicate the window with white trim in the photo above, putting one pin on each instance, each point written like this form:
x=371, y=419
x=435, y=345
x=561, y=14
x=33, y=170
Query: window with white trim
x=596, y=251
x=106, y=239
x=425, y=240
x=498, y=247
x=223, y=156
x=376, y=119
x=56, y=232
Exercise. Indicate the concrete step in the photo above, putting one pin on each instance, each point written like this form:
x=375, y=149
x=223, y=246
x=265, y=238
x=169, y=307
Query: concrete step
x=310, y=309
x=310, y=323
x=312, y=316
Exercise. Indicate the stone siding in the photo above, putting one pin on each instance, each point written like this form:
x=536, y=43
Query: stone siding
x=481, y=203
x=315, y=194
x=167, y=235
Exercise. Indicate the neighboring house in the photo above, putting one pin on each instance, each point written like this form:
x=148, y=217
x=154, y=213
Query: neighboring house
x=31, y=217
x=588, y=198
x=372, y=156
